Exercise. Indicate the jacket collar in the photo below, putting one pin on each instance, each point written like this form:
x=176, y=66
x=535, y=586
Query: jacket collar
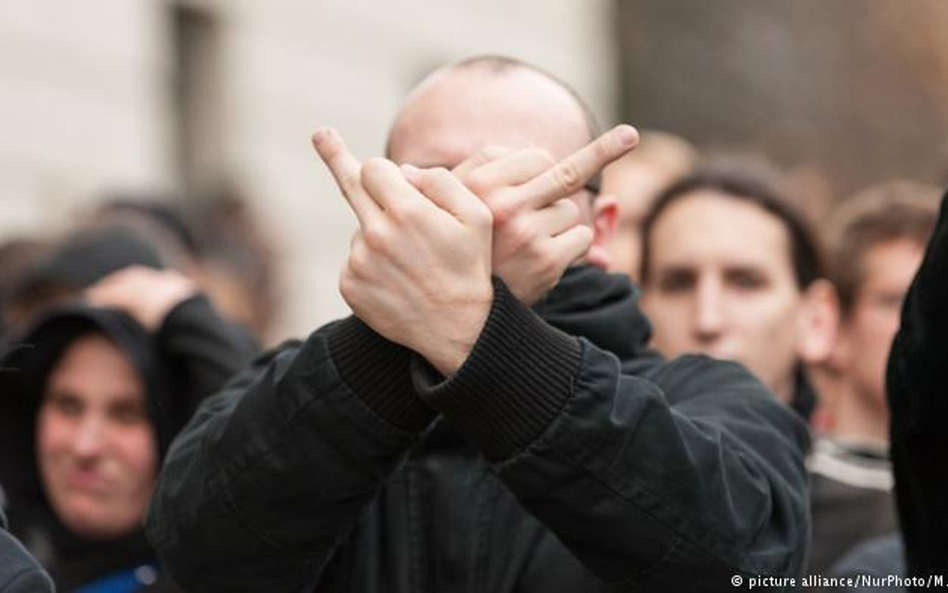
x=601, y=307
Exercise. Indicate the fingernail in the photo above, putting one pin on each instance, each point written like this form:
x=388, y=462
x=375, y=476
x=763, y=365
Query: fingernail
x=627, y=135
x=320, y=136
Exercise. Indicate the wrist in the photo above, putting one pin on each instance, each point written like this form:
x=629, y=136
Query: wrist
x=448, y=350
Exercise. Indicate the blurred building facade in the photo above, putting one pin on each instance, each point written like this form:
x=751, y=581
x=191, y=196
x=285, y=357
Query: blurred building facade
x=198, y=97
x=184, y=97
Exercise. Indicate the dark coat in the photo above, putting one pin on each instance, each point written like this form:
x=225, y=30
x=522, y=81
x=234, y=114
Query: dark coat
x=917, y=386
x=546, y=463
x=191, y=356
x=19, y=572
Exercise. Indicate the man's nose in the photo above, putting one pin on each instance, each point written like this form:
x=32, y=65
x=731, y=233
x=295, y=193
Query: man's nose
x=708, y=314
x=89, y=438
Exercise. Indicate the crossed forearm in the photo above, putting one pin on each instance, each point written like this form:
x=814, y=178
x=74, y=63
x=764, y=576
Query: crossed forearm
x=429, y=240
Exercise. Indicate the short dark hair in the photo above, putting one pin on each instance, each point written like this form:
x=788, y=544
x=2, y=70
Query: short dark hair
x=885, y=212
x=744, y=182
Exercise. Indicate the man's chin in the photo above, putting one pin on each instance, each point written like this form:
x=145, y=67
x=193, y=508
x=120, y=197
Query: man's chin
x=96, y=524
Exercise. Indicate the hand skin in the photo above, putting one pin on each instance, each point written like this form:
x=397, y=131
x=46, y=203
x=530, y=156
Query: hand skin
x=419, y=268
x=538, y=227
x=148, y=295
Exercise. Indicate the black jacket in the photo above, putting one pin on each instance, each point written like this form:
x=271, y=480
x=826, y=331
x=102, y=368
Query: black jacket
x=19, y=572
x=917, y=386
x=344, y=463
x=190, y=357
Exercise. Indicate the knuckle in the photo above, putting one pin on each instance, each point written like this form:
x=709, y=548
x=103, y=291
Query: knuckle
x=406, y=212
x=603, y=150
x=373, y=237
x=478, y=182
x=518, y=233
x=357, y=263
x=371, y=169
x=503, y=208
x=347, y=283
x=542, y=155
x=567, y=176
x=350, y=181
x=440, y=175
x=430, y=179
x=481, y=215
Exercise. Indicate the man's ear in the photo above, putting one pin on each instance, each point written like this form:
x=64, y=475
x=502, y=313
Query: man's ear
x=818, y=323
x=605, y=215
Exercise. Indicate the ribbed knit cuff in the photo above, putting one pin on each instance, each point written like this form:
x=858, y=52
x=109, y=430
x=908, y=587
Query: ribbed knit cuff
x=377, y=372
x=515, y=381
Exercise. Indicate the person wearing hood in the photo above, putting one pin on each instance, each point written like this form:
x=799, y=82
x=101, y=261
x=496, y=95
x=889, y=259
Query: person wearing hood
x=447, y=437
x=92, y=396
x=60, y=271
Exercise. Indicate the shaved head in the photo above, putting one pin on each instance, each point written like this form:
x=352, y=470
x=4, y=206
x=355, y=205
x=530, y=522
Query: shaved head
x=462, y=107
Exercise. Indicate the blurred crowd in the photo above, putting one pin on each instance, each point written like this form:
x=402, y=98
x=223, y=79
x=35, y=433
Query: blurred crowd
x=115, y=332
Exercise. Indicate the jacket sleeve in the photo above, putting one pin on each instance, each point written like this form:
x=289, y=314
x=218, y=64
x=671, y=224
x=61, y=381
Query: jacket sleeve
x=261, y=486
x=19, y=572
x=672, y=480
x=917, y=388
x=207, y=347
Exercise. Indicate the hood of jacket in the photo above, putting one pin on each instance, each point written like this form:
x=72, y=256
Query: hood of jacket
x=26, y=363
x=24, y=369
x=602, y=308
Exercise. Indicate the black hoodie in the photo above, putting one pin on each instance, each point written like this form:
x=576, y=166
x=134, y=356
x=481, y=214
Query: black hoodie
x=192, y=354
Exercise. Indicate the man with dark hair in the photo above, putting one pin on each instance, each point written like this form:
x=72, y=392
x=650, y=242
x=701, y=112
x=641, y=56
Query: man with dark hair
x=636, y=180
x=447, y=437
x=731, y=269
x=876, y=240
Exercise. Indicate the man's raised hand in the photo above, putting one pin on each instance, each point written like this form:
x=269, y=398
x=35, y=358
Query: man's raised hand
x=420, y=264
x=538, y=229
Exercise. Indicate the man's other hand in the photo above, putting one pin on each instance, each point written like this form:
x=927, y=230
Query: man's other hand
x=419, y=266
x=539, y=226
x=148, y=295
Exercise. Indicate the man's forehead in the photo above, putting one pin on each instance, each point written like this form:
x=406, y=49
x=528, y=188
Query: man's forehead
x=456, y=113
x=709, y=226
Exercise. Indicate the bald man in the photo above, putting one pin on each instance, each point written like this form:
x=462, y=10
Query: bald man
x=449, y=437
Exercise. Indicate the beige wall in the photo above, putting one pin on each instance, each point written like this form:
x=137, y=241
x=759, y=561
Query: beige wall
x=84, y=104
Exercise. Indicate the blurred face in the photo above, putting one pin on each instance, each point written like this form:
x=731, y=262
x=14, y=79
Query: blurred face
x=634, y=184
x=445, y=121
x=721, y=283
x=96, y=446
x=866, y=333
